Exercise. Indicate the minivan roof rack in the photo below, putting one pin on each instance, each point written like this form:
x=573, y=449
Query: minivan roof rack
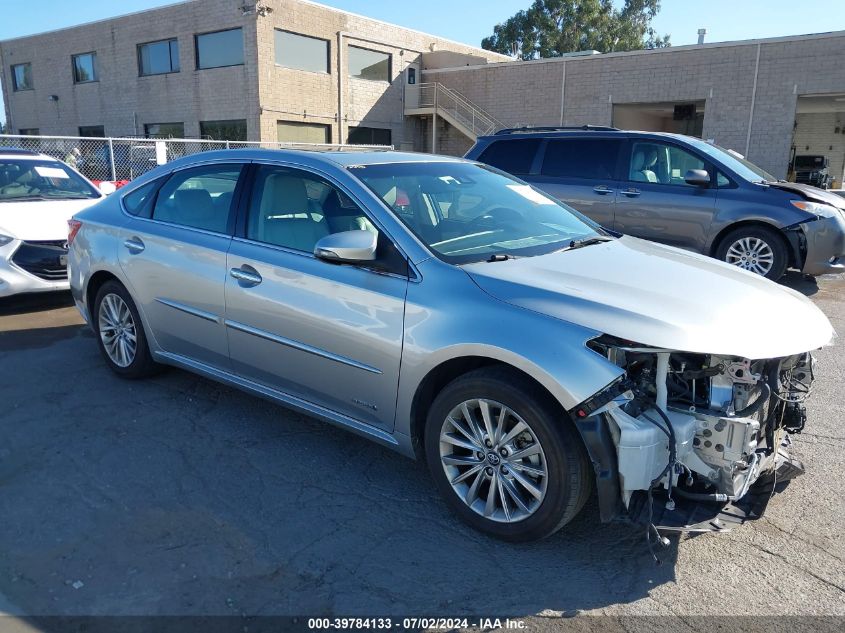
x=557, y=128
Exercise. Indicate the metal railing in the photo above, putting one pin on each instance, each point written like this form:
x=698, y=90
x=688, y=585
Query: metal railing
x=476, y=121
x=121, y=159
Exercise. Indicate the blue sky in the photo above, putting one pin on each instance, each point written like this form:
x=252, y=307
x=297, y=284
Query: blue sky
x=462, y=20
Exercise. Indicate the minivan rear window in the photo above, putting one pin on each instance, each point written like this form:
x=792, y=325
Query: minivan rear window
x=513, y=156
x=588, y=158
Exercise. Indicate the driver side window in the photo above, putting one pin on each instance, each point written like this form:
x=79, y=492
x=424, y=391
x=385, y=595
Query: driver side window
x=295, y=209
x=661, y=163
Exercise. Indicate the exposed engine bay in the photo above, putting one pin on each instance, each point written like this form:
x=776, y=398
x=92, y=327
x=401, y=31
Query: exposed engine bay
x=696, y=427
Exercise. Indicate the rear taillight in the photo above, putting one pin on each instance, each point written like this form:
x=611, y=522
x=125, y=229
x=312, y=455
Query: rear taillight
x=73, y=227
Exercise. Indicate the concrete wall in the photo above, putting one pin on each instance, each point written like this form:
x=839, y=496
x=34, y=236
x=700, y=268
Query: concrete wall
x=295, y=95
x=722, y=75
x=122, y=101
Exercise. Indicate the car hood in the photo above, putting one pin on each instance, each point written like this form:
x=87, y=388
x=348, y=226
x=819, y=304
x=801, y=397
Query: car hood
x=814, y=194
x=661, y=296
x=39, y=220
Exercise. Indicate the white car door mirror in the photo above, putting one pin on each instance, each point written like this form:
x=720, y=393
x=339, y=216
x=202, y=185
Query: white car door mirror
x=107, y=188
x=348, y=246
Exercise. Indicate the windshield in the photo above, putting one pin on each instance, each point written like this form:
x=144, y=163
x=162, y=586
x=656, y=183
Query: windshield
x=25, y=179
x=466, y=212
x=743, y=168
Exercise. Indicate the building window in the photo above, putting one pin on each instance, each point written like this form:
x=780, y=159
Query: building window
x=296, y=132
x=29, y=131
x=367, y=64
x=231, y=130
x=221, y=48
x=302, y=52
x=92, y=130
x=84, y=68
x=158, y=58
x=368, y=136
x=164, y=130
x=22, y=77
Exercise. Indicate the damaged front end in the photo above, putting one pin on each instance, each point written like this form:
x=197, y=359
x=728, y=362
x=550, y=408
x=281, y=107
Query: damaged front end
x=685, y=441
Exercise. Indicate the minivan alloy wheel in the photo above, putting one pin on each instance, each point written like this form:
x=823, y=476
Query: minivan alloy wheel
x=751, y=253
x=493, y=460
x=117, y=330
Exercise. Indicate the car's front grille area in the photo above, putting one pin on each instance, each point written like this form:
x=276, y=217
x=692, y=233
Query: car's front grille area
x=43, y=259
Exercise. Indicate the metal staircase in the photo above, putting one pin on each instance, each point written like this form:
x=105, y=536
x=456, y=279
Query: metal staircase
x=436, y=99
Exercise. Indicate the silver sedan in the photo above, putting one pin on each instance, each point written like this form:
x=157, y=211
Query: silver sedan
x=458, y=315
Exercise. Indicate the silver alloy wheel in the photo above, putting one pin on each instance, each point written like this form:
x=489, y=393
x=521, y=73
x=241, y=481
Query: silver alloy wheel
x=751, y=253
x=493, y=460
x=117, y=330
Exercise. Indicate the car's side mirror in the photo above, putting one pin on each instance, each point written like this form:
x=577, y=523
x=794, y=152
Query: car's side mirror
x=347, y=247
x=697, y=177
x=107, y=188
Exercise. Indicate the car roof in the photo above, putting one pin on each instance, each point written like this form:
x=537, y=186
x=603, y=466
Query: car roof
x=315, y=157
x=579, y=132
x=19, y=152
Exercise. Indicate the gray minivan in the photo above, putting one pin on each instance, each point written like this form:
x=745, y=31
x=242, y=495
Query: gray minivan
x=678, y=190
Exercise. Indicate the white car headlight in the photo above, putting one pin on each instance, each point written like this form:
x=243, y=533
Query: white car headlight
x=5, y=239
x=816, y=208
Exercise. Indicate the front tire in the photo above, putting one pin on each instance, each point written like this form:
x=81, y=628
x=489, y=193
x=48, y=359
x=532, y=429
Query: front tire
x=757, y=249
x=506, y=460
x=120, y=334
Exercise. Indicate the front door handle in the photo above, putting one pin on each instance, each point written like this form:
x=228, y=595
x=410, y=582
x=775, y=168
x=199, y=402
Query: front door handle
x=602, y=189
x=134, y=245
x=631, y=192
x=246, y=275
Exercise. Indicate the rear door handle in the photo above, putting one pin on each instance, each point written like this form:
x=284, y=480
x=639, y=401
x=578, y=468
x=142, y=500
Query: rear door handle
x=602, y=189
x=134, y=245
x=631, y=192
x=246, y=275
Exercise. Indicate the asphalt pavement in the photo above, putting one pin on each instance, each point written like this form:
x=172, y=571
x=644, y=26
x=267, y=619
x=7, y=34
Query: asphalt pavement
x=179, y=496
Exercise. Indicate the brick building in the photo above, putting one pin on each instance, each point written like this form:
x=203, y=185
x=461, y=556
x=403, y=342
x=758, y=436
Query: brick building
x=766, y=99
x=225, y=69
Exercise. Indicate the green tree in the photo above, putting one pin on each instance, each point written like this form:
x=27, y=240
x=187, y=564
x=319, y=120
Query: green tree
x=550, y=28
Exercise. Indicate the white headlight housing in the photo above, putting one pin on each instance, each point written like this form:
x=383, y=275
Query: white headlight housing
x=5, y=239
x=816, y=208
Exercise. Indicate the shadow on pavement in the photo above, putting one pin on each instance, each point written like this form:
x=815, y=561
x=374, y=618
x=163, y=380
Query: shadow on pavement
x=34, y=302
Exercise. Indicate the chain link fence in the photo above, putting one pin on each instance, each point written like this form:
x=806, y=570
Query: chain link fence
x=122, y=159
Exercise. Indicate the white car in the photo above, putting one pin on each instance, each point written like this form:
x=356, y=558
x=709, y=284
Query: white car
x=38, y=195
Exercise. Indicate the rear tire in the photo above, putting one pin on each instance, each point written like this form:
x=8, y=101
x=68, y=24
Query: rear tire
x=120, y=333
x=534, y=456
x=757, y=249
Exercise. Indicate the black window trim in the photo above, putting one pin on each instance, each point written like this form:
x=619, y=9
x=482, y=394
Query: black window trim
x=372, y=50
x=170, y=54
x=625, y=166
x=245, y=200
x=328, y=70
x=197, y=48
x=94, y=66
x=15, y=87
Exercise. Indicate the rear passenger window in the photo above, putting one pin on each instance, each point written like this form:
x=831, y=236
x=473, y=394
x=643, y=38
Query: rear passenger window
x=513, y=156
x=199, y=198
x=294, y=209
x=588, y=158
x=139, y=200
